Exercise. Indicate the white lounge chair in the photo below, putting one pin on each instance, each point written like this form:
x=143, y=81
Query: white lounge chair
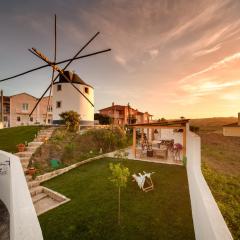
x=144, y=181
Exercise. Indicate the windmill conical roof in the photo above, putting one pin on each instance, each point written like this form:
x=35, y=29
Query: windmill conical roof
x=73, y=77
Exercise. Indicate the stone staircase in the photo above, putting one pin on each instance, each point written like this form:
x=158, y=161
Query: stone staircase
x=42, y=136
x=43, y=198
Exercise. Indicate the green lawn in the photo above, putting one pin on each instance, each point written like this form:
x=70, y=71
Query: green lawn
x=164, y=213
x=10, y=137
x=221, y=169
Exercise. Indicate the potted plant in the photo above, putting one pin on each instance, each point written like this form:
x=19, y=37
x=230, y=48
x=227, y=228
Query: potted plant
x=32, y=171
x=21, y=147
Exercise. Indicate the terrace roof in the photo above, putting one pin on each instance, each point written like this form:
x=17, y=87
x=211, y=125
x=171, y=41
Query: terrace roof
x=173, y=123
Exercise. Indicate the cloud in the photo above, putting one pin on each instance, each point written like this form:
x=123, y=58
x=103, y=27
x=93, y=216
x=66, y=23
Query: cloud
x=230, y=96
x=200, y=89
x=207, y=51
x=120, y=60
x=153, y=53
x=216, y=65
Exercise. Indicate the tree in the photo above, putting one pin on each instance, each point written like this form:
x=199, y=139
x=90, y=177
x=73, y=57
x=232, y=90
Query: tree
x=103, y=119
x=71, y=120
x=119, y=178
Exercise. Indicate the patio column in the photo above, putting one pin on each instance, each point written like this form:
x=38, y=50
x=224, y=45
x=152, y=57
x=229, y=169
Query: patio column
x=148, y=134
x=134, y=142
x=142, y=131
x=152, y=134
x=184, y=141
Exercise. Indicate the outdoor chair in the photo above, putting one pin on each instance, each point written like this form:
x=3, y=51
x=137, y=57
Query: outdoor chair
x=161, y=153
x=144, y=181
x=140, y=152
x=177, y=151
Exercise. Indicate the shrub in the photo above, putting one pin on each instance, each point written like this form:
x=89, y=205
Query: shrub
x=103, y=119
x=108, y=139
x=71, y=120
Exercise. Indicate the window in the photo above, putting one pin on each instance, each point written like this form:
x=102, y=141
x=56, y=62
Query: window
x=49, y=121
x=59, y=87
x=25, y=107
x=5, y=118
x=86, y=89
x=18, y=119
x=49, y=108
x=31, y=119
x=58, y=104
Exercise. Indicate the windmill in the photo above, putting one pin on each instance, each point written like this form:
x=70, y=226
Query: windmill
x=55, y=68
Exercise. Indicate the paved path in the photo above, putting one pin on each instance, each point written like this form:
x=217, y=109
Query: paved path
x=4, y=222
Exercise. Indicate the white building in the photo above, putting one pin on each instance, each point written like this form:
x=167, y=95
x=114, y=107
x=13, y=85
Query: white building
x=67, y=98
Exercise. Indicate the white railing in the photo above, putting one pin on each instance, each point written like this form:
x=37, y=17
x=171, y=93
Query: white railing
x=14, y=193
x=207, y=218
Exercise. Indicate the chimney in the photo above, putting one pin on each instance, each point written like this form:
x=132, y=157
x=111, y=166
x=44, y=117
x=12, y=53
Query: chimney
x=239, y=118
x=112, y=103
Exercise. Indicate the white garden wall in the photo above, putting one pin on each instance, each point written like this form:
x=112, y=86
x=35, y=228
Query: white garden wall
x=207, y=218
x=14, y=193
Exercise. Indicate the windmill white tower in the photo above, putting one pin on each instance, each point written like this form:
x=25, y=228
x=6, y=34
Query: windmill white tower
x=66, y=98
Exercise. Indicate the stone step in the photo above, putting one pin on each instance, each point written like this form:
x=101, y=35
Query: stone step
x=43, y=135
x=24, y=166
x=36, y=190
x=32, y=149
x=38, y=197
x=45, y=132
x=32, y=144
x=24, y=159
x=45, y=204
x=32, y=184
x=24, y=154
x=28, y=177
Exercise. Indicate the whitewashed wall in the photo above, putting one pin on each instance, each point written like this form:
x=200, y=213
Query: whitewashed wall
x=166, y=134
x=14, y=193
x=71, y=99
x=207, y=218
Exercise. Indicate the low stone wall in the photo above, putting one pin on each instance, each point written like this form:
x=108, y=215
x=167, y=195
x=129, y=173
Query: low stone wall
x=207, y=218
x=50, y=175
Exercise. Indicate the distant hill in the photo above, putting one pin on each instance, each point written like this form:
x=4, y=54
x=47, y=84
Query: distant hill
x=212, y=122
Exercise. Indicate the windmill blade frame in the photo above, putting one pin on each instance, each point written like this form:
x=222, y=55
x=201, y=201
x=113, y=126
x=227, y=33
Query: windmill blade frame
x=54, y=59
x=61, y=72
x=69, y=62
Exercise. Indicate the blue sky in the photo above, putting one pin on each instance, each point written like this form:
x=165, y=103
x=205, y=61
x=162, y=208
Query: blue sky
x=169, y=57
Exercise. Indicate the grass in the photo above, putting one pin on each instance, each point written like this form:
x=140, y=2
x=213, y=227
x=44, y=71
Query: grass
x=221, y=168
x=226, y=191
x=164, y=213
x=10, y=137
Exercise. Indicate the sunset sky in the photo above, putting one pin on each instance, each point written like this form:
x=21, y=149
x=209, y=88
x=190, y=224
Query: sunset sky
x=171, y=58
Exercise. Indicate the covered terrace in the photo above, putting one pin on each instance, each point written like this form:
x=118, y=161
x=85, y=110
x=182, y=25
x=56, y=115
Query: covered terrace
x=163, y=141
